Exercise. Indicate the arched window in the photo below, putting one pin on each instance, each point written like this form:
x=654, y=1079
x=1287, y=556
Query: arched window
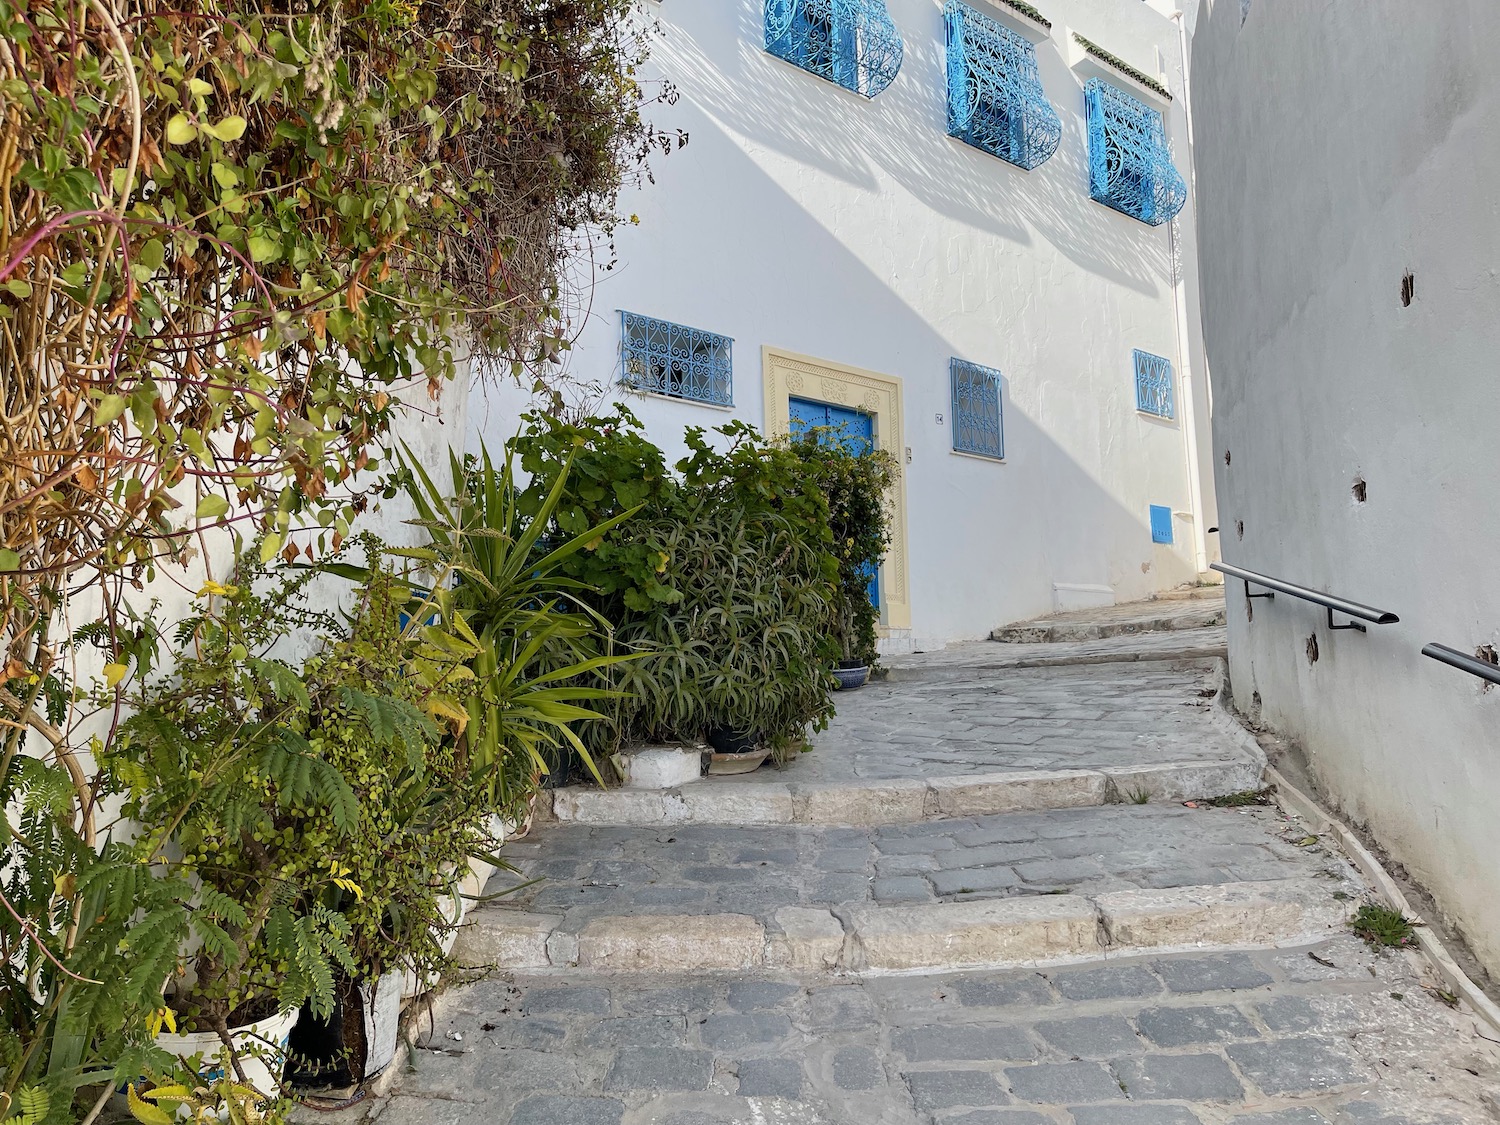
x=995, y=99
x=851, y=42
x=1130, y=165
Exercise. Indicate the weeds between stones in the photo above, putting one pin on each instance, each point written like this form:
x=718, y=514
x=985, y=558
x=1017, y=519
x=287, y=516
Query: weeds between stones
x=1243, y=797
x=1382, y=926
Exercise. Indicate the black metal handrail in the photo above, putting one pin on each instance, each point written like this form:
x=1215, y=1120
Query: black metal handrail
x=1347, y=608
x=1463, y=662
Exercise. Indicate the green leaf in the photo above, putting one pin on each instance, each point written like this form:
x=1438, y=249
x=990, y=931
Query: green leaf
x=212, y=506
x=270, y=546
x=180, y=130
x=225, y=176
x=17, y=288
x=151, y=254
x=263, y=249
x=110, y=407
x=229, y=129
x=9, y=560
x=199, y=87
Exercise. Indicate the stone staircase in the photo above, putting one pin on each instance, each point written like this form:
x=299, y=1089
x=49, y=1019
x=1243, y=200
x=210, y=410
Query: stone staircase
x=999, y=891
x=1193, y=607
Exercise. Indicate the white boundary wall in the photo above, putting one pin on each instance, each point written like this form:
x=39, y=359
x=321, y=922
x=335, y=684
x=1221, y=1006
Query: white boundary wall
x=1342, y=145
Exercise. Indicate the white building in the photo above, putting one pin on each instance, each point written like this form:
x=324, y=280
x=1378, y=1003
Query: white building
x=1348, y=159
x=845, y=250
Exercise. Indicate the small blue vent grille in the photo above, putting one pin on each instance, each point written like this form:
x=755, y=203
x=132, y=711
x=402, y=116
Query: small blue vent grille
x=1130, y=165
x=851, y=42
x=977, y=426
x=1153, y=384
x=669, y=359
x=995, y=99
x=1161, y=524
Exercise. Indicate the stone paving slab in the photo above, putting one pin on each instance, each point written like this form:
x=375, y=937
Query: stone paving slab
x=1190, y=608
x=1324, y=1035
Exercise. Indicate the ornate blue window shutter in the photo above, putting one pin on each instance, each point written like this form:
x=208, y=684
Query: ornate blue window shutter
x=663, y=358
x=1153, y=384
x=995, y=99
x=1130, y=165
x=977, y=424
x=851, y=42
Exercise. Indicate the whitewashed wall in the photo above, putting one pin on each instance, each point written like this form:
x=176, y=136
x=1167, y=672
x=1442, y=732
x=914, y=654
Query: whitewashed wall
x=1340, y=146
x=808, y=218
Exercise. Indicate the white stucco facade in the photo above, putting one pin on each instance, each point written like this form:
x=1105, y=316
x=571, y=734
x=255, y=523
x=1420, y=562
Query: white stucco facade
x=1342, y=147
x=808, y=221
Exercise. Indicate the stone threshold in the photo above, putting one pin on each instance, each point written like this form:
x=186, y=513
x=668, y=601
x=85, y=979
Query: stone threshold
x=859, y=803
x=998, y=933
x=1042, y=632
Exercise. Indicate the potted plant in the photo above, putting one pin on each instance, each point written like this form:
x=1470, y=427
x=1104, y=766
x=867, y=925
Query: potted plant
x=216, y=762
x=856, y=479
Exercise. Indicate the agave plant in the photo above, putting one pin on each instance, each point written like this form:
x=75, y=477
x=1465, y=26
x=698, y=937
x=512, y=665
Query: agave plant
x=511, y=645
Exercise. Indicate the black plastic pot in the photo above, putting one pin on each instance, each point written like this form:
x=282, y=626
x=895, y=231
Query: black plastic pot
x=727, y=740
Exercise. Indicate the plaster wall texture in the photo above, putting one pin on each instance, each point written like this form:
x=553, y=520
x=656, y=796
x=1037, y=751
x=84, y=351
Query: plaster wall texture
x=1342, y=146
x=807, y=218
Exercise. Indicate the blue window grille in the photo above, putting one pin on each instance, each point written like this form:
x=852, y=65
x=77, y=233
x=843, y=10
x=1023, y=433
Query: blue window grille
x=995, y=99
x=1161, y=524
x=1153, y=384
x=977, y=425
x=670, y=359
x=851, y=42
x=1130, y=165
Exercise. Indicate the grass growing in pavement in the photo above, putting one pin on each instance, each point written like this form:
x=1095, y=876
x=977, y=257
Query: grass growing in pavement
x=1380, y=925
x=1139, y=796
x=1243, y=797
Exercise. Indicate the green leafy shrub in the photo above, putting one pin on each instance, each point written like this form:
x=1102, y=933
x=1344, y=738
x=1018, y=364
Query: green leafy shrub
x=856, y=481
x=724, y=580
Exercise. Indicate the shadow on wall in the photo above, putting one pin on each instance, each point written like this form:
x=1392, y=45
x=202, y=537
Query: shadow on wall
x=902, y=134
x=1042, y=517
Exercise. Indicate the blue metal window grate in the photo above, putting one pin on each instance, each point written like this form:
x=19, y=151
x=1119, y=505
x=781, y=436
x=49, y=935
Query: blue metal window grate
x=995, y=99
x=1130, y=165
x=851, y=42
x=977, y=424
x=670, y=359
x=1153, y=384
x=1161, y=524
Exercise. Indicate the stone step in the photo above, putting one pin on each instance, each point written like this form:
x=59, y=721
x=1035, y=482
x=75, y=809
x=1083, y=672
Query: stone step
x=996, y=933
x=1195, y=609
x=735, y=801
x=975, y=890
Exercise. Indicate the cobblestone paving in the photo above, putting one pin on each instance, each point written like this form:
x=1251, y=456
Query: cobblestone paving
x=591, y=872
x=1329, y=1035
x=972, y=719
x=1178, y=609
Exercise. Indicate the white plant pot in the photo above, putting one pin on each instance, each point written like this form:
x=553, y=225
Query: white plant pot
x=381, y=1008
x=260, y=1045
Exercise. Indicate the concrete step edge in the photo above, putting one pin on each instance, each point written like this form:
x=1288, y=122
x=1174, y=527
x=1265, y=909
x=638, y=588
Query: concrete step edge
x=995, y=933
x=1059, y=632
x=903, y=800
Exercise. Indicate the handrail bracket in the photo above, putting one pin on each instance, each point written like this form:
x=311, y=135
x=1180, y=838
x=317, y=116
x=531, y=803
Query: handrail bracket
x=1350, y=625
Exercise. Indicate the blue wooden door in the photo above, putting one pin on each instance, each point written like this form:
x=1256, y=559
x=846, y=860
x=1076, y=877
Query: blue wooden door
x=852, y=427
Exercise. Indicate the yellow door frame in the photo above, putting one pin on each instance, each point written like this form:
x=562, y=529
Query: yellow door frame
x=788, y=374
